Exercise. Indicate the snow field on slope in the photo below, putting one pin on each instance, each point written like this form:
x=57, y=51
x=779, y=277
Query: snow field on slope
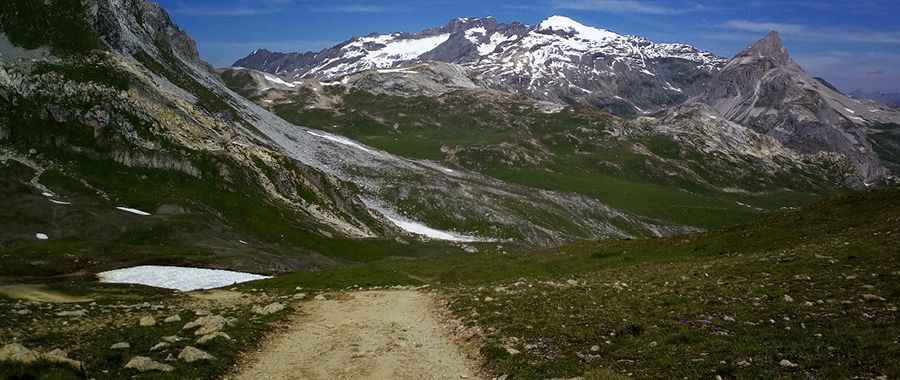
x=178, y=278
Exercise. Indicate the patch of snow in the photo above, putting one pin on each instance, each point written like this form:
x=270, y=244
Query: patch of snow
x=419, y=228
x=670, y=87
x=645, y=71
x=41, y=236
x=133, y=211
x=277, y=80
x=48, y=195
x=401, y=70
x=565, y=24
x=54, y=201
x=342, y=140
x=849, y=110
x=178, y=278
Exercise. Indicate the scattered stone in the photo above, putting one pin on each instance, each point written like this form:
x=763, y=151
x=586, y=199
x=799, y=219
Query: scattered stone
x=193, y=354
x=268, y=309
x=572, y=282
x=72, y=313
x=654, y=344
x=201, y=313
x=872, y=297
x=145, y=364
x=172, y=319
x=320, y=297
x=788, y=298
x=61, y=357
x=171, y=339
x=512, y=351
x=120, y=346
x=299, y=296
x=787, y=364
x=159, y=346
x=743, y=363
x=207, y=338
x=15, y=352
x=207, y=325
x=147, y=321
x=728, y=318
x=595, y=348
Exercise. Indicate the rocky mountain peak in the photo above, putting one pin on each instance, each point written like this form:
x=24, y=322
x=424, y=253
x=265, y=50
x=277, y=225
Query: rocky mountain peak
x=771, y=48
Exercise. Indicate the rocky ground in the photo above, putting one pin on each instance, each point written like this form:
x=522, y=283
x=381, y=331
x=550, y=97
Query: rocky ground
x=116, y=331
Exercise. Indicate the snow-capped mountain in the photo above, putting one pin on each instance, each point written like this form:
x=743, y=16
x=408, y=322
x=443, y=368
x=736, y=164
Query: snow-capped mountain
x=557, y=60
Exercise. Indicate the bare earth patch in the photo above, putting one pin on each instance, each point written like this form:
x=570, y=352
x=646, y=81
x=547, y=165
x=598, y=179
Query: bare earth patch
x=39, y=293
x=371, y=335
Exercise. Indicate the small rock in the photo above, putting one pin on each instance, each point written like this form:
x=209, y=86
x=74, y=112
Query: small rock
x=72, y=313
x=159, y=346
x=120, y=346
x=654, y=344
x=320, y=297
x=512, y=351
x=299, y=296
x=192, y=354
x=872, y=297
x=61, y=357
x=145, y=364
x=728, y=318
x=172, y=319
x=147, y=321
x=207, y=325
x=15, y=352
x=171, y=339
x=788, y=298
x=743, y=363
x=268, y=309
x=207, y=338
x=572, y=282
x=595, y=348
x=787, y=364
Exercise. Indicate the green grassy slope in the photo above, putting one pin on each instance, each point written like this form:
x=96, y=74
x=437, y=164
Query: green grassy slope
x=570, y=151
x=817, y=287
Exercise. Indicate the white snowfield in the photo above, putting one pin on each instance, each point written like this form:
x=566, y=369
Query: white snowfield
x=179, y=278
x=133, y=211
x=342, y=140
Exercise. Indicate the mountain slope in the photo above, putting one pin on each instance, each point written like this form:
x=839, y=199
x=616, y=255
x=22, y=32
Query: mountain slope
x=763, y=88
x=137, y=120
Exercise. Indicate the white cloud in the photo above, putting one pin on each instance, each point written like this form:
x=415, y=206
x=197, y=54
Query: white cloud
x=808, y=33
x=621, y=6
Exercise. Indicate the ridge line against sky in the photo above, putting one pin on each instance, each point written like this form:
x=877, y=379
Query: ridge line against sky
x=853, y=44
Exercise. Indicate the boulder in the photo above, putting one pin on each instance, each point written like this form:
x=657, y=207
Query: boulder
x=207, y=325
x=147, y=321
x=210, y=337
x=145, y=364
x=15, y=352
x=193, y=354
x=268, y=309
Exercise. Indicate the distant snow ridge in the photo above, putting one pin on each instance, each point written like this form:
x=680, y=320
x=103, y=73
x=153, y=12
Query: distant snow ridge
x=177, y=278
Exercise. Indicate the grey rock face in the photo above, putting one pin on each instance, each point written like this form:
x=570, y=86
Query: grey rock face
x=764, y=89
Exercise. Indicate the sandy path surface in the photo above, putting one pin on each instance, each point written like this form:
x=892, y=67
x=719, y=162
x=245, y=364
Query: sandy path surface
x=371, y=335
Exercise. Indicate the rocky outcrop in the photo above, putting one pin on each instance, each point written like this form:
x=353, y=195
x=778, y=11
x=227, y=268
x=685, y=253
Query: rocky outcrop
x=764, y=89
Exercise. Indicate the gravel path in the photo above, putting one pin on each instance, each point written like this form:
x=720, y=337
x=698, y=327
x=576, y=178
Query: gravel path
x=368, y=335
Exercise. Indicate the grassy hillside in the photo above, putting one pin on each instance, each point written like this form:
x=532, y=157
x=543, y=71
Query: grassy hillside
x=577, y=150
x=816, y=287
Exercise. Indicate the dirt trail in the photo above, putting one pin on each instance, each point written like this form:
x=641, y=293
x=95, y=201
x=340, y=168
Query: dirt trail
x=371, y=335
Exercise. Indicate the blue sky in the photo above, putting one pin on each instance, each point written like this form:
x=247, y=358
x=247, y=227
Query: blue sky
x=854, y=44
